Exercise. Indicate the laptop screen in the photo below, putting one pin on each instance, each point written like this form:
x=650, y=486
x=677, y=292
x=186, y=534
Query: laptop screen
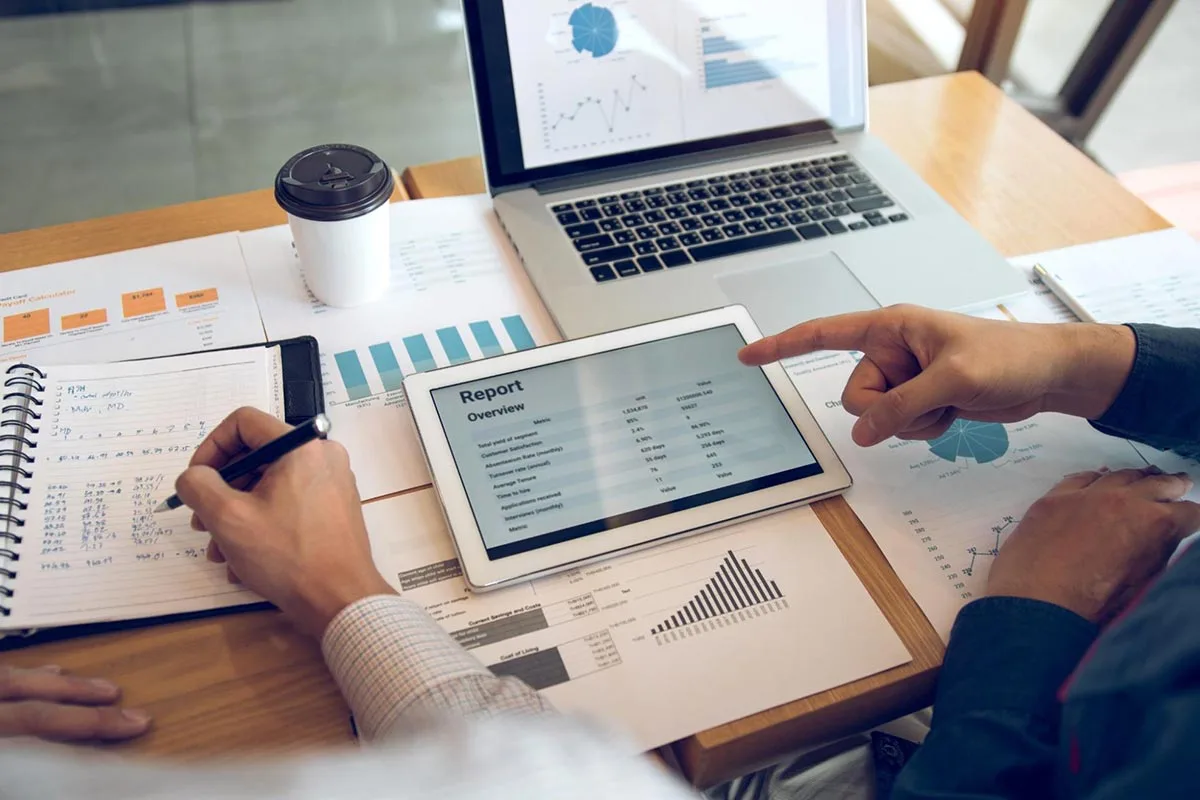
x=565, y=86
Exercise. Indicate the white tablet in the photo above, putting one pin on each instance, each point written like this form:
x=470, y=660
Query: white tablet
x=549, y=458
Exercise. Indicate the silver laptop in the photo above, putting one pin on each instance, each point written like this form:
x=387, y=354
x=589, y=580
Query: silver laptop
x=651, y=159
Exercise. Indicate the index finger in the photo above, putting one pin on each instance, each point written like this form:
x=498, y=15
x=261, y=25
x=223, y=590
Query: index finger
x=842, y=332
x=244, y=429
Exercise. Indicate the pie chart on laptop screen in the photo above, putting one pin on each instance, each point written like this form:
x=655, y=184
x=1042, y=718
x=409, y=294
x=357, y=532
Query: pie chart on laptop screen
x=593, y=30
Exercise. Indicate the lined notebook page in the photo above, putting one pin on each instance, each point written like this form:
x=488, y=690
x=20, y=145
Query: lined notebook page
x=113, y=439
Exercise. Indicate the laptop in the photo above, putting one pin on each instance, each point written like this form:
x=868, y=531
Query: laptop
x=653, y=159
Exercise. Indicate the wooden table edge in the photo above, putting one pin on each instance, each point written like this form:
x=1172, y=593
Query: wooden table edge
x=70, y=241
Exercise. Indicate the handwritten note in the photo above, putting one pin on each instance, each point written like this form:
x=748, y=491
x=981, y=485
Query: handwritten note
x=112, y=440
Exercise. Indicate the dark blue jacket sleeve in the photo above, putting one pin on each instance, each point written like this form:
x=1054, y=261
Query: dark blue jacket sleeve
x=1160, y=404
x=1131, y=719
x=996, y=718
x=998, y=727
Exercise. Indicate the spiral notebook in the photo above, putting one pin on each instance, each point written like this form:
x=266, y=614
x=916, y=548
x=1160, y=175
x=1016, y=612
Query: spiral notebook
x=87, y=452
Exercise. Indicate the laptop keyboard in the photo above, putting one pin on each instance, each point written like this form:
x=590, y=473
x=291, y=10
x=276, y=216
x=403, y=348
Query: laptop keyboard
x=663, y=227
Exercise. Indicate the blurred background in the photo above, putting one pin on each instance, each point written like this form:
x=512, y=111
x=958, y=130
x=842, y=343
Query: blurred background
x=118, y=105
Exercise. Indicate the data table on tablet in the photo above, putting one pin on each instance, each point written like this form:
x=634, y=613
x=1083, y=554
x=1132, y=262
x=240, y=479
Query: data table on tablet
x=582, y=446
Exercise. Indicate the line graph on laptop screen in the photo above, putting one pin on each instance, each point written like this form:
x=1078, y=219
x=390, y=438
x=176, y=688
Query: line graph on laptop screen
x=624, y=115
x=595, y=89
x=598, y=77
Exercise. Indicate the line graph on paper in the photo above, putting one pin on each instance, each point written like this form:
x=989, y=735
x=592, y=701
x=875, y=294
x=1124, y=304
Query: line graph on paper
x=625, y=114
x=963, y=558
x=992, y=548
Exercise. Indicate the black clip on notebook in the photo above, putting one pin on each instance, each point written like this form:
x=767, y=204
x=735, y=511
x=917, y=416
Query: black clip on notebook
x=87, y=451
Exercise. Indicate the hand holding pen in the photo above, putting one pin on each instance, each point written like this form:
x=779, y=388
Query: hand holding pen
x=297, y=537
x=267, y=454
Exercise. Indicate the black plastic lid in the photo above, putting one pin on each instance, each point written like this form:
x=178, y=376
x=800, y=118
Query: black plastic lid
x=333, y=182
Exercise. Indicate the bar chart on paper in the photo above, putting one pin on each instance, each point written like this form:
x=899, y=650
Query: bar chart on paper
x=380, y=368
x=734, y=589
x=457, y=294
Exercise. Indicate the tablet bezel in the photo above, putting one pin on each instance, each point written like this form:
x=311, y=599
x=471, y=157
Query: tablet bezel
x=482, y=573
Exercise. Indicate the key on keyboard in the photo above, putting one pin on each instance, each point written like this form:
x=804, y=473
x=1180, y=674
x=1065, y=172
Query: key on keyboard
x=745, y=244
x=593, y=242
x=586, y=229
x=675, y=258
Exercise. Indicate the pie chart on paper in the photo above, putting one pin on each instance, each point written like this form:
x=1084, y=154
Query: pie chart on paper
x=979, y=441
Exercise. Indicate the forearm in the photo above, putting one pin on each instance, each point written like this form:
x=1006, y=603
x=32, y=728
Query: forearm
x=1160, y=401
x=396, y=668
x=1088, y=365
x=996, y=718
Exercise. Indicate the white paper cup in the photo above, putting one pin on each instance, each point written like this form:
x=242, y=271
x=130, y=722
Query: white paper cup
x=345, y=263
x=336, y=198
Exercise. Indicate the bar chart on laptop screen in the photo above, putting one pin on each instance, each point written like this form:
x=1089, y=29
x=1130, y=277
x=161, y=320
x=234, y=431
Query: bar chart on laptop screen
x=379, y=369
x=734, y=60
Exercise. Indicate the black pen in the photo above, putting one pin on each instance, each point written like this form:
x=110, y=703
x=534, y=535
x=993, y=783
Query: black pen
x=302, y=434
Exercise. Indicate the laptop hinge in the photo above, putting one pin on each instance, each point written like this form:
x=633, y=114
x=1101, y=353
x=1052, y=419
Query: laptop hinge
x=644, y=169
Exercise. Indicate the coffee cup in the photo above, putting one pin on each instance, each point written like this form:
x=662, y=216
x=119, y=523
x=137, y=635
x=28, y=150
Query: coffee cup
x=336, y=198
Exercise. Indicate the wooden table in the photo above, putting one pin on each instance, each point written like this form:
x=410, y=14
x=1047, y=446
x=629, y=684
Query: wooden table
x=246, y=683
x=1025, y=190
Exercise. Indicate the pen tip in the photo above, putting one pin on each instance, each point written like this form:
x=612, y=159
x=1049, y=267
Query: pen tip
x=163, y=506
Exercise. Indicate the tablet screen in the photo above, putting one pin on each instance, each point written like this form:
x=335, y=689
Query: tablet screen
x=565, y=450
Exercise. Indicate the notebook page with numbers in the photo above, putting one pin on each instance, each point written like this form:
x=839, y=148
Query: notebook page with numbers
x=86, y=453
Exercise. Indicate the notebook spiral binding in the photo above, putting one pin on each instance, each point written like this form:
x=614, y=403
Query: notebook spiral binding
x=19, y=418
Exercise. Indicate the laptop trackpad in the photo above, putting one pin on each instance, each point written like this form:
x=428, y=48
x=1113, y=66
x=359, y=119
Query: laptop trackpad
x=782, y=295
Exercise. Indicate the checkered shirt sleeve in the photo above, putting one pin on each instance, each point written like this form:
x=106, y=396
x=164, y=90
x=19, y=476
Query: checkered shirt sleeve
x=398, y=669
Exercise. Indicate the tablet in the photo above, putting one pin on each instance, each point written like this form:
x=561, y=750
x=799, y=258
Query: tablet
x=549, y=458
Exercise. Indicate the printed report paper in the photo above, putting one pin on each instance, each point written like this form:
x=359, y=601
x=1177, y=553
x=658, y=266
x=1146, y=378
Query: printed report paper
x=458, y=293
x=172, y=298
x=662, y=643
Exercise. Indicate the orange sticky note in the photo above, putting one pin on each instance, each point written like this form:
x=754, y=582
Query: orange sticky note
x=84, y=319
x=139, y=304
x=27, y=325
x=196, y=298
